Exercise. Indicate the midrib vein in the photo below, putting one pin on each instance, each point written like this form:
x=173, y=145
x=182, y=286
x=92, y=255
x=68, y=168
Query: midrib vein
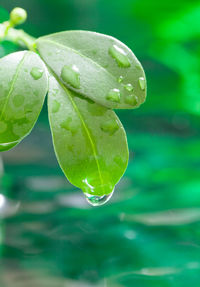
x=12, y=85
x=88, y=134
x=78, y=53
x=84, y=125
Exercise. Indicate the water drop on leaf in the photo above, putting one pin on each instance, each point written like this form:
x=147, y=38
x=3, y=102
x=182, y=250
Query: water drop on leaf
x=120, y=79
x=71, y=76
x=55, y=106
x=142, y=83
x=128, y=87
x=18, y=100
x=120, y=56
x=69, y=125
x=110, y=127
x=131, y=100
x=36, y=73
x=114, y=95
x=138, y=67
x=19, y=114
x=118, y=160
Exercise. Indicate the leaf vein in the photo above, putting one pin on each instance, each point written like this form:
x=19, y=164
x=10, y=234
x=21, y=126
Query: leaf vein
x=77, y=52
x=84, y=126
x=12, y=85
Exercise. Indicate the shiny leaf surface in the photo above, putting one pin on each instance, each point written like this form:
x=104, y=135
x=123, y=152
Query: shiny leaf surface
x=23, y=87
x=96, y=66
x=89, y=141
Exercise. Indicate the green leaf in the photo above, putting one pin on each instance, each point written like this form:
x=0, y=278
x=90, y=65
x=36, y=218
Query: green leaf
x=8, y=146
x=96, y=66
x=23, y=87
x=89, y=140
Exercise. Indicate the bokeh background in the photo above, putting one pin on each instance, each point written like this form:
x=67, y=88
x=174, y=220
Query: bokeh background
x=149, y=232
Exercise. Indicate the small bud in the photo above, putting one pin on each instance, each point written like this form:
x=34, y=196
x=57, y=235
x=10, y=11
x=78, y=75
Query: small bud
x=18, y=16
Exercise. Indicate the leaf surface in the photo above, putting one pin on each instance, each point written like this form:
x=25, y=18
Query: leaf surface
x=89, y=140
x=23, y=87
x=96, y=66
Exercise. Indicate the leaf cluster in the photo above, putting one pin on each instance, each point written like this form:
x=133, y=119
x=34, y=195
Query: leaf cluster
x=86, y=76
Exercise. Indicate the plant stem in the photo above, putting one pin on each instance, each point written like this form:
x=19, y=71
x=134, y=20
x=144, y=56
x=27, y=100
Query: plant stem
x=18, y=37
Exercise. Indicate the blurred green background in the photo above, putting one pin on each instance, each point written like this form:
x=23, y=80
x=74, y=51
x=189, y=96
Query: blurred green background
x=149, y=232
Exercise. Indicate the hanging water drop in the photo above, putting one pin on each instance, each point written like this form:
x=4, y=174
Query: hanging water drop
x=120, y=56
x=71, y=76
x=128, y=87
x=96, y=200
x=131, y=100
x=142, y=83
x=113, y=96
x=36, y=73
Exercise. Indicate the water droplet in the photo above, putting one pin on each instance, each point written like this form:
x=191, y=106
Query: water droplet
x=69, y=125
x=54, y=92
x=3, y=127
x=36, y=73
x=96, y=110
x=128, y=87
x=142, y=83
x=138, y=67
x=120, y=79
x=65, y=125
x=96, y=200
x=30, y=116
x=110, y=126
x=55, y=106
x=19, y=114
x=70, y=147
x=71, y=76
x=118, y=160
x=120, y=56
x=18, y=100
x=113, y=95
x=131, y=100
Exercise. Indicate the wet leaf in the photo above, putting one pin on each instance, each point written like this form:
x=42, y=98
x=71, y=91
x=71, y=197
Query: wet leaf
x=96, y=66
x=89, y=141
x=22, y=94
